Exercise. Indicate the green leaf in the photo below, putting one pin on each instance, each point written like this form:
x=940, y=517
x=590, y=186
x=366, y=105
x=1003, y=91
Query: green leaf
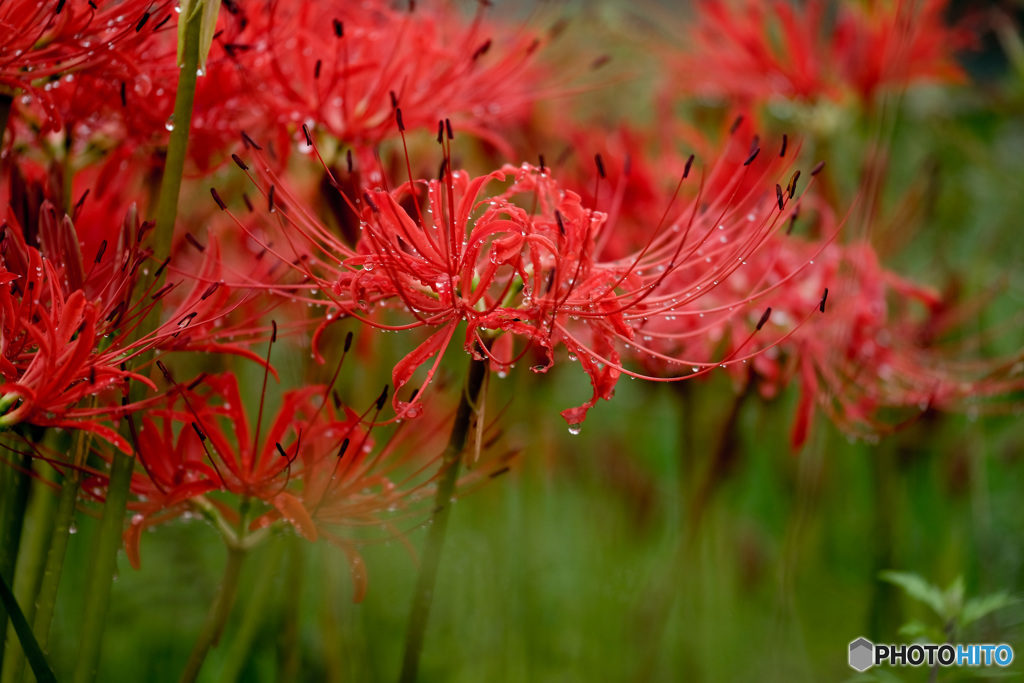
x=33, y=653
x=919, y=589
x=916, y=630
x=976, y=608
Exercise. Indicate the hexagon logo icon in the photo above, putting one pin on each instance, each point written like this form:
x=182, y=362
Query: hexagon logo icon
x=862, y=653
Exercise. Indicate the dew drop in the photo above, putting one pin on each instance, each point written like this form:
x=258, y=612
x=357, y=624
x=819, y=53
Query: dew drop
x=575, y=428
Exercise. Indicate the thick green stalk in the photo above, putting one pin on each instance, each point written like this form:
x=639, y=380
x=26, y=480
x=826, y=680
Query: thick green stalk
x=14, y=488
x=99, y=579
x=174, y=167
x=36, y=659
x=35, y=541
x=104, y=562
x=218, y=615
x=255, y=615
x=424, y=594
x=62, y=525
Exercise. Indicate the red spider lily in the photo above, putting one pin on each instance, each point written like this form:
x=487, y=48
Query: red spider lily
x=41, y=42
x=217, y=451
x=347, y=67
x=127, y=106
x=757, y=51
x=69, y=325
x=482, y=258
x=315, y=465
x=875, y=362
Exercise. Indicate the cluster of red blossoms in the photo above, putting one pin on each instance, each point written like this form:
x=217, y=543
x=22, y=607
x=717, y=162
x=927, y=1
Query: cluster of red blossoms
x=419, y=215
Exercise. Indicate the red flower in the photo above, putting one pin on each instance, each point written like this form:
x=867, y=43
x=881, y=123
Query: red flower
x=486, y=260
x=43, y=44
x=757, y=51
x=345, y=67
x=68, y=325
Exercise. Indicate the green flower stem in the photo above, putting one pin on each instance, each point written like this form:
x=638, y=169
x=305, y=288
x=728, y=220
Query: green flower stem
x=218, y=615
x=14, y=488
x=99, y=579
x=28, y=574
x=174, y=168
x=104, y=562
x=255, y=614
x=62, y=524
x=424, y=592
x=36, y=659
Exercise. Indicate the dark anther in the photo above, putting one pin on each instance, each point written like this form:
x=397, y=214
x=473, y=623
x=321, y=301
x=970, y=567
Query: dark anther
x=751, y=158
x=199, y=432
x=162, y=266
x=394, y=99
x=792, y=219
x=448, y=128
x=270, y=199
x=785, y=141
x=600, y=166
x=764, y=317
x=791, y=188
x=600, y=61
x=124, y=95
x=305, y=131
x=398, y=118
x=440, y=132
x=482, y=50
x=193, y=241
x=736, y=124
x=541, y=157
x=165, y=371
x=187, y=319
x=117, y=309
x=142, y=22
x=817, y=168
x=414, y=394
x=196, y=382
x=344, y=447
x=821, y=306
x=441, y=169
x=60, y=6
x=241, y=164
x=561, y=224
x=92, y=374
x=163, y=290
x=162, y=22
x=755, y=143
x=280, y=449
x=686, y=169
x=348, y=158
x=339, y=28
x=248, y=202
x=778, y=195
x=316, y=69
x=273, y=331
x=99, y=254
x=209, y=291
x=498, y=473
x=382, y=398
x=143, y=229
x=249, y=142
x=370, y=202
x=93, y=5
x=348, y=343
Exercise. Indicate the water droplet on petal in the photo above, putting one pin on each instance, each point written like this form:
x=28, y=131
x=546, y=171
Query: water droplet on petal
x=575, y=428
